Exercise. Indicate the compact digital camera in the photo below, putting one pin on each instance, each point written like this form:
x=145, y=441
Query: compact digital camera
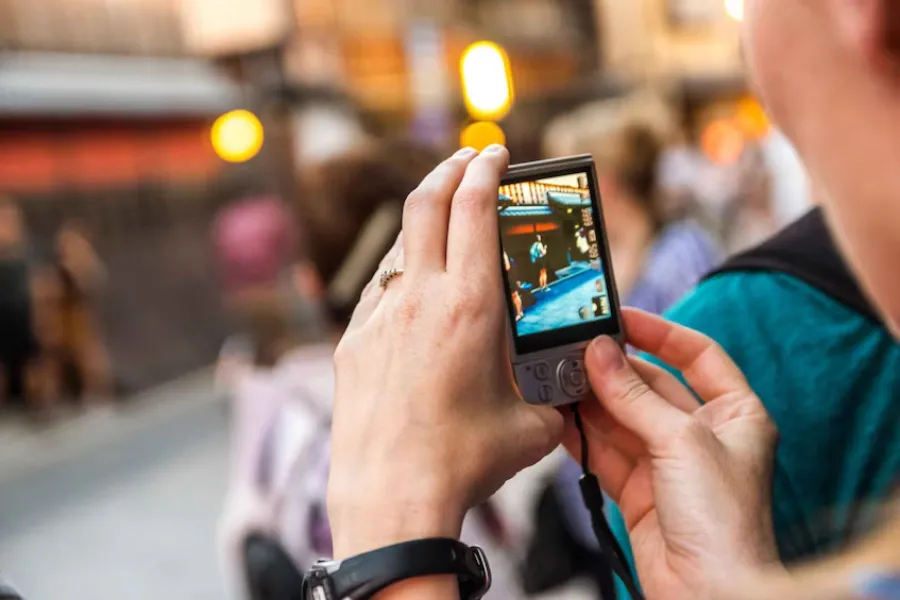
x=560, y=288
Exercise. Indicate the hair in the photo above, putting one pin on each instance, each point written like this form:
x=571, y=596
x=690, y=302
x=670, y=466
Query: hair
x=634, y=159
x=261, y=315
x=344, y=200
x=627, y=137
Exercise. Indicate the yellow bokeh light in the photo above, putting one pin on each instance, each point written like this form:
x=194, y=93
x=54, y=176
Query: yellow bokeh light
x=481, y=134
x=723, y=142
x=486, y=81
x=237, y=136
x=752, y=119
x=735, y=9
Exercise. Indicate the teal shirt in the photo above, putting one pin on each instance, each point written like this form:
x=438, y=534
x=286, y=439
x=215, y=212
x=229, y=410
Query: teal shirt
x=830, y=378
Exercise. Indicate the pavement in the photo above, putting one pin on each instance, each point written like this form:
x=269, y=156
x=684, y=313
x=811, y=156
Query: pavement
x=118, y=503
x=124, y=503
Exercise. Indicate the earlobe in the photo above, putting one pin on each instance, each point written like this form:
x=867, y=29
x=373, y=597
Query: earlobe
x=871, y=29
x=859, y=26
x=892, y=31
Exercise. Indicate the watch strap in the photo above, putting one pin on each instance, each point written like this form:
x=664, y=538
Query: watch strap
x=363, y=576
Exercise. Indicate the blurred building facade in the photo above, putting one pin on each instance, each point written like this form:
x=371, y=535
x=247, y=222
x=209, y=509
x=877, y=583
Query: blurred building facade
x=105, y=121
x=106, y=105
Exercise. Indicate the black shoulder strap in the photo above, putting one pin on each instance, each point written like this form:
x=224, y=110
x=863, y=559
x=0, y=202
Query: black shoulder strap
x=805, y=250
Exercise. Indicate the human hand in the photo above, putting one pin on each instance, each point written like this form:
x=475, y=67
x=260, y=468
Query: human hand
x=427, y=419
x=693, y=482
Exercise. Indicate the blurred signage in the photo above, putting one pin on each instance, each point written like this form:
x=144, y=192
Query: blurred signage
x=693, y=13
x=428, y=82
x=224, y=27
x=534, y=21
x=114, y=26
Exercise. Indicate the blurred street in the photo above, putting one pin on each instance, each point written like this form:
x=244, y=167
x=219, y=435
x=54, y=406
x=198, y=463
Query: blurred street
x=118, y=504
x=125, y=503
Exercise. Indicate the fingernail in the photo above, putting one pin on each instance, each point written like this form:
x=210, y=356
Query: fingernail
x=493, y=149
x=608, y=357
x=465, y=152
x=873, y=585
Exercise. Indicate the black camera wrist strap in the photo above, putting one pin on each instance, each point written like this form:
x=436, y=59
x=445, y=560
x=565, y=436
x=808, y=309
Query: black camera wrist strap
x=610, y=548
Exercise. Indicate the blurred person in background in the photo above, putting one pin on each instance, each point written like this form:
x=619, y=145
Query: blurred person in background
x=82, y=362
x=272, y=370
x=749, y=213
x=17, y=343
x=790, y=187
x=274, y=525
x=657, y=259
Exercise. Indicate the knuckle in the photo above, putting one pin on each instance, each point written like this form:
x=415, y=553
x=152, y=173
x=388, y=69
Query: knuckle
x=343, y=351
x=408, y=308
x=632, y=390
x=460, y=308
x=415, y=200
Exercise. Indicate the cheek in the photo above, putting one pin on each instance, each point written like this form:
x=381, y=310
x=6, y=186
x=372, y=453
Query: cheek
x=761, y=38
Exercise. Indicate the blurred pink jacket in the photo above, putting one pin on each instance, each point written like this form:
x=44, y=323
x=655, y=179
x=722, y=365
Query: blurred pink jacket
x=280, y=451
x=281, y=421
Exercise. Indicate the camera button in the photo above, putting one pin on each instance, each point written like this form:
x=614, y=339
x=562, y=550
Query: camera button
x=572, y=379
x=541, y=371
x=545, y=394
x=576, y=378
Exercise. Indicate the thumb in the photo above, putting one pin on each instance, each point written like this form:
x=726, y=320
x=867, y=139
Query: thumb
x=627, y=397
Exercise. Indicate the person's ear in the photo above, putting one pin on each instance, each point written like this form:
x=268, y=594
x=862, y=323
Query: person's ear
x=870, y=28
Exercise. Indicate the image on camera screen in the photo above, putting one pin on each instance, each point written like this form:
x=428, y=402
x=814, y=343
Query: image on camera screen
x=551, y=259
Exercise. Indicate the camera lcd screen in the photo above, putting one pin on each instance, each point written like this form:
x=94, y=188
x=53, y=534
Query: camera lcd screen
x=554, y=260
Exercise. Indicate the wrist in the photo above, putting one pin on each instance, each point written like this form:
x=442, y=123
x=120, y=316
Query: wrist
x=363, y=526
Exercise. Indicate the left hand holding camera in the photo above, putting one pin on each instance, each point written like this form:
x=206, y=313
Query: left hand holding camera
x=693, y=481
x=427, y=419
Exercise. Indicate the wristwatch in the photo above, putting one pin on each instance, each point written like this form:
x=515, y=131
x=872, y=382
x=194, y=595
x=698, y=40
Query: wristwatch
x=363, y=576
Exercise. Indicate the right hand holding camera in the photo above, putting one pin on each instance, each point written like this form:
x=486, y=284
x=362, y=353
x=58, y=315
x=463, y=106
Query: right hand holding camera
x=693, y=481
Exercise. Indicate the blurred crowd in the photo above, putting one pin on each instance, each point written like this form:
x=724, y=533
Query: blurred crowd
x=51, y=345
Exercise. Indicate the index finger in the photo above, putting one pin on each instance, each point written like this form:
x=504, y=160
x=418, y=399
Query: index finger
x=427, y=211
x=705, y=365
x=473, y=241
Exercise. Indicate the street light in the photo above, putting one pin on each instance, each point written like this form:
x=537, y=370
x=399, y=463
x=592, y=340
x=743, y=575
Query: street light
x=735, y=9
x=486, y=81
x=481, y=134
x=237, y=136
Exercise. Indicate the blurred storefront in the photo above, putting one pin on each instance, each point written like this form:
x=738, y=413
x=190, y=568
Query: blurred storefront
x=105, y=122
